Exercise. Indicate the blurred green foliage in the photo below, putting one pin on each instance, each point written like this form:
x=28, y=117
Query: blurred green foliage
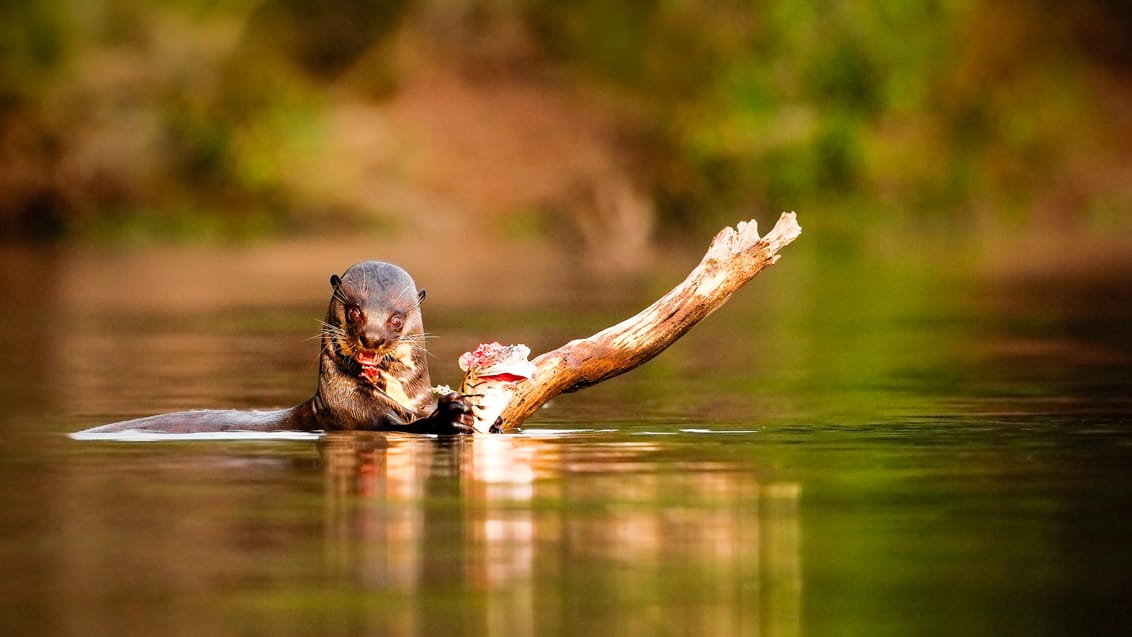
x=927, y=106
x=125, y=118
x=114, y=109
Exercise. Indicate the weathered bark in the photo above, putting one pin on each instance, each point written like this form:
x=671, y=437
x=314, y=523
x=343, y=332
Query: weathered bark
x=734, y=257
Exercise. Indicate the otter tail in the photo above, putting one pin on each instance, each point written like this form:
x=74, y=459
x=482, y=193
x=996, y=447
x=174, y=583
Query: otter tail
x=204, y=420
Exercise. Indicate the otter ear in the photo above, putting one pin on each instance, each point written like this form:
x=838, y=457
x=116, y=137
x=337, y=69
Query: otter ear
x=420, y=297
x=335, y=281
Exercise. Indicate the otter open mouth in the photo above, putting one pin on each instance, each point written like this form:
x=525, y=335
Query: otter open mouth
x=371, y=365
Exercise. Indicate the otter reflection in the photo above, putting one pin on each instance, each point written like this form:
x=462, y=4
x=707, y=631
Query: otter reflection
x=602, y=537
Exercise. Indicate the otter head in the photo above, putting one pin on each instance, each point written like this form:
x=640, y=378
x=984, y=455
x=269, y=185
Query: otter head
x=374, y=336
x=376, y=305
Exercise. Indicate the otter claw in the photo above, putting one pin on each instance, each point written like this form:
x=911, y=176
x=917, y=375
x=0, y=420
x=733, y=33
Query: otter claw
x=456, y=413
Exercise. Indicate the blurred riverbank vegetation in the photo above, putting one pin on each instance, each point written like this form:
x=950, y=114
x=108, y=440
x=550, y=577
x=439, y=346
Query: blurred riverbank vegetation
x=192, y=118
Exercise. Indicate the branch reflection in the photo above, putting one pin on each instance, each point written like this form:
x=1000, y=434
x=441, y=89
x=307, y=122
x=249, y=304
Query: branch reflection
x=537, y=536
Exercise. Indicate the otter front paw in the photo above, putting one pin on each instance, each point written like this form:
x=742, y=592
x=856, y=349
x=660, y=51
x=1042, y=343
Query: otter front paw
x=452, y=416
x=455, y=411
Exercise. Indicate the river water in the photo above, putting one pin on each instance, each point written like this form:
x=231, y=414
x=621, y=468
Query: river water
x=866, y=440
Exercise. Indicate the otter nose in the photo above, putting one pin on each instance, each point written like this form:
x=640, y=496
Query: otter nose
x=373, y=338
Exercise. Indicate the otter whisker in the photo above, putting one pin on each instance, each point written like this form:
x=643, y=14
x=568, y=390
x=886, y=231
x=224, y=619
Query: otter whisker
x=329, y=331
x=416, y=345
x=417, y=299
x=401, y=294
x=414, y=338
x=412, y=341
x=327, y=347
x=421, y=350
x=332, y=327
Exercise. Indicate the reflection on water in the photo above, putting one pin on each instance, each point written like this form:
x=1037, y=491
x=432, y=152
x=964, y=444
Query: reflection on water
x=705, y=546
x=403, y=535
x=856, y=444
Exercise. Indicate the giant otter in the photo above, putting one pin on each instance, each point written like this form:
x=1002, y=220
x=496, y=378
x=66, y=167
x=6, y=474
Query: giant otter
x=372, y=373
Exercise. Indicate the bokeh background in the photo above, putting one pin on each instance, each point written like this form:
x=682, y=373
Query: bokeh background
x=605, y=125
x=917, y=421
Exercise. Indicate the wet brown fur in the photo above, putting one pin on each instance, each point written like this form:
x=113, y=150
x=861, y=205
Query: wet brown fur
x=394, y=394
x=401, y=391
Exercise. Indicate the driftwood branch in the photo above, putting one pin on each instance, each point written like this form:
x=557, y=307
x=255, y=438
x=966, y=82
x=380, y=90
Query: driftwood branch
x=734, y=257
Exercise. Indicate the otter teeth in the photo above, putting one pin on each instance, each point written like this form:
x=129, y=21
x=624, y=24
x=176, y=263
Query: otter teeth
x=367, y=359
x=371, y=365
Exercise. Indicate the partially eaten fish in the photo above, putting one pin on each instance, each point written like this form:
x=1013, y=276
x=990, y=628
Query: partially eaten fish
x=371, y=365
x=491, y=372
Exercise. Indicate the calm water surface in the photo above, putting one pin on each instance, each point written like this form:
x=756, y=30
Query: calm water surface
x=876, y=448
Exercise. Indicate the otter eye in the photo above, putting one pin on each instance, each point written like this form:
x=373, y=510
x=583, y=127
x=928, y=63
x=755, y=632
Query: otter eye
x=396, y=322
x=353, y=314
